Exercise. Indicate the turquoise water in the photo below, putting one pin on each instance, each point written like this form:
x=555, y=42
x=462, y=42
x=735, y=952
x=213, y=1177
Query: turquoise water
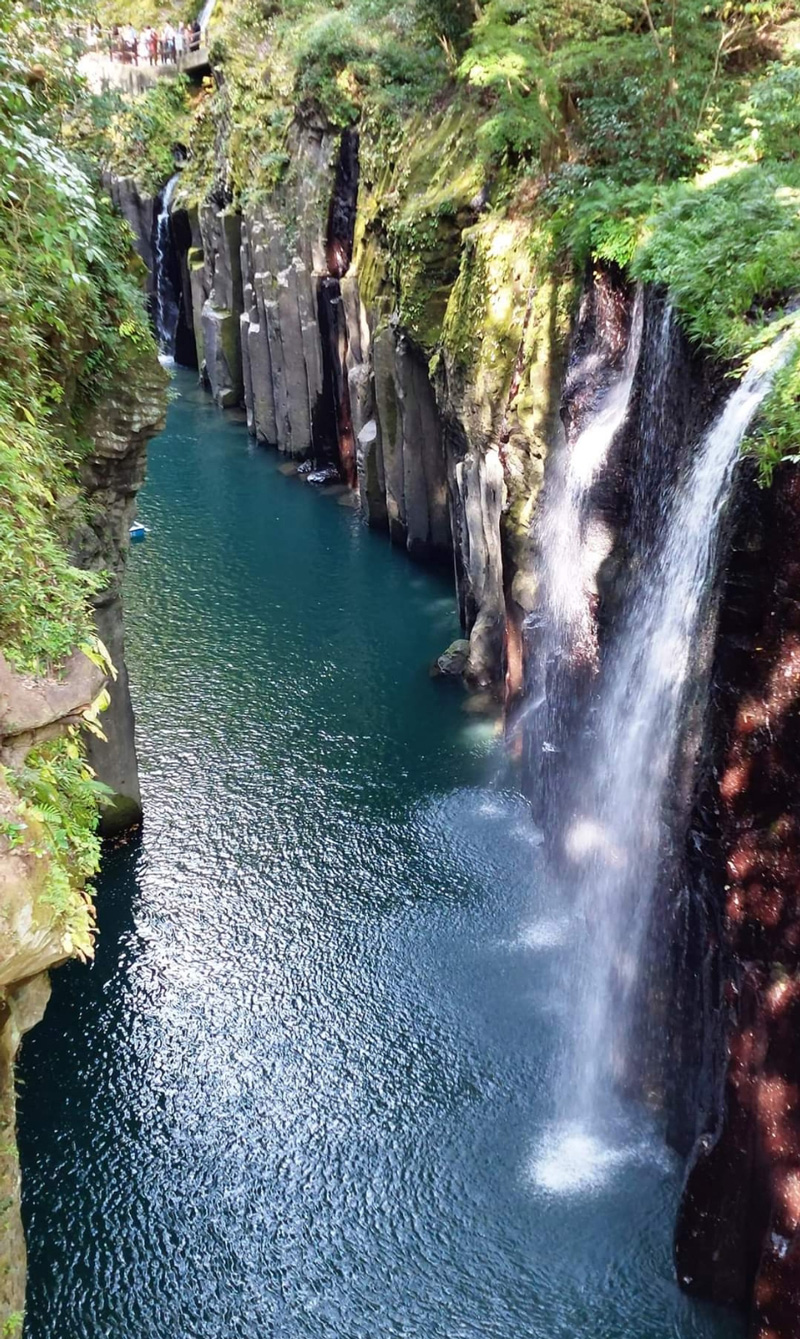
x=301, y=1090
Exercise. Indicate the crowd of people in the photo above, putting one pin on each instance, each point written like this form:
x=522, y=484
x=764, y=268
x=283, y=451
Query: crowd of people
x=151, y=46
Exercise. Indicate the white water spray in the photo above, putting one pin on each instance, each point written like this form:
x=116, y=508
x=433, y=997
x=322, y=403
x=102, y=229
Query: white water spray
x=572, y=544
x=616, y=836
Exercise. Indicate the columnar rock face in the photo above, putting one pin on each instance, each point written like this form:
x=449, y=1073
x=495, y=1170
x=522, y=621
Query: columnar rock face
x=139, y=211
x=738, y=1235
x=449, y=465
x=120, y=428
x=411, y=446
x=223, y=306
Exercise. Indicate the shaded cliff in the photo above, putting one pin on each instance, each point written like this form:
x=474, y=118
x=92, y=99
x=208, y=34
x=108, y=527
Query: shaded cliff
x=120, y=426
x=738, y=1235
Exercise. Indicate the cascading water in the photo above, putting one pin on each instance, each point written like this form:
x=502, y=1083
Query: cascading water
x=615, y=838
x=166, y=307
x=572, y=545
x=205, y=14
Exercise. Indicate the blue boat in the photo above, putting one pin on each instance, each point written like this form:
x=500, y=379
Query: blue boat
x=137, y=532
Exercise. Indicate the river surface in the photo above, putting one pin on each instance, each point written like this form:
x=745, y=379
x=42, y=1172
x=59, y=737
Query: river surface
x=302, y=1090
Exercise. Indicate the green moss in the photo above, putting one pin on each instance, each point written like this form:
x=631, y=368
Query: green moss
x=410, y=224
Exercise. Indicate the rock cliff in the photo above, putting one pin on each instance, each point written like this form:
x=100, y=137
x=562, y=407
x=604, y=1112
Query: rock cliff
x=738, y=1233
x=44, y=923
x=446, y=456
x=119, y=428
x=36, y=934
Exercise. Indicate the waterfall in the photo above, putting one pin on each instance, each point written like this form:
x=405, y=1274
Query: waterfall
x=205, y=14
x=166, y=306
x=615, y=833
x=572, y=544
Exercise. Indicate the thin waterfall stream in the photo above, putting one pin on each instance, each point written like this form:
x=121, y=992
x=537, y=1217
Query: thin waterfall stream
x=572, y=545
x=614, y=829
x=166, y=307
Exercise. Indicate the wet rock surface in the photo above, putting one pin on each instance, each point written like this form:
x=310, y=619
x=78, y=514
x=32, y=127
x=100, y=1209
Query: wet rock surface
x=738, y=1234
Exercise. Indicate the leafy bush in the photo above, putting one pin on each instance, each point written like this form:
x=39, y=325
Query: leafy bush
x=775, y=438
x=59, y=796
x=142, y=135
x=728, y=252
x=772, y=112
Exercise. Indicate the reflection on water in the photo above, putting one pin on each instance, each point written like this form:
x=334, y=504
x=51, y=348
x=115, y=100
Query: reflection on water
x=296, y=1094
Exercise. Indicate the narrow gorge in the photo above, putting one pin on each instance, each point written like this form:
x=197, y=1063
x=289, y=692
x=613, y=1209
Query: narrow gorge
x=439, y=975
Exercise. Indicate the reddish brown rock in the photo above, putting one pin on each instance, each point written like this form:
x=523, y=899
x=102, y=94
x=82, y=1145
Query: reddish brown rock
x=738, y=1232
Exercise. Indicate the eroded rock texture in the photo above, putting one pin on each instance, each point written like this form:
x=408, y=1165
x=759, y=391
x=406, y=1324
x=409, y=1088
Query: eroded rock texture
x=738, y=1235
x=449, y=464
x=120, y=427
x=139, y=211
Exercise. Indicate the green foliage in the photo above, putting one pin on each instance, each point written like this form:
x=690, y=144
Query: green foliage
x=775, y=439
x=729, y=253
x=44, y=609
x=595, y=219
x=71, y=317
x=772, y=113
x=56, y=820
x=369, y=60
x=141, y=137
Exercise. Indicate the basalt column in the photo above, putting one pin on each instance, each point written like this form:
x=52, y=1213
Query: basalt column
x=738, y=1233
x=112, y=476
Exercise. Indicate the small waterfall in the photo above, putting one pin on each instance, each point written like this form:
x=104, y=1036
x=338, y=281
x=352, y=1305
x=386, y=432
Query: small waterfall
x=166, y=306
x=205, y=14
x=616, y=835
x=572, y=544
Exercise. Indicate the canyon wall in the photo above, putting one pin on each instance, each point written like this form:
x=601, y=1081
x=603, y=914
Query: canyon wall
x=738, y=1233
x=286, y=317
x=449, y=443
x=120, y=427
x=42, y=927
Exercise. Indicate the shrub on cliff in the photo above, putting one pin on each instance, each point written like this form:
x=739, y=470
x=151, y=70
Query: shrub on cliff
x=72, y=320
x=142, y=132
x=71, y=313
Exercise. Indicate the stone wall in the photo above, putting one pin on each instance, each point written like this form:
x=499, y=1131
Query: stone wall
x=448, y=466
x=120, y=427
x=738, y=1233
